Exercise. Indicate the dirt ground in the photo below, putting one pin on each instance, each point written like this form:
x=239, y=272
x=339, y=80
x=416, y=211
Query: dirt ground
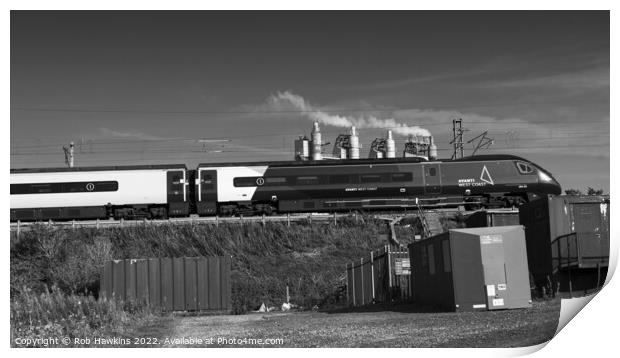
x=403, y=326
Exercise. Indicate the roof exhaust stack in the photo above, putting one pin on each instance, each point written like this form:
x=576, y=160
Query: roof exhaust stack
x=302, y=148
x=347, y=146
x=390, y=146
x=354, y=142
x=420, y=147
x=432, y=151
x=316, y=142
x=377, y=148
x=383, y=147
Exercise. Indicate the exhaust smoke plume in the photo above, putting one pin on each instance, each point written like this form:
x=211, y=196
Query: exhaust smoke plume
x=286, y=100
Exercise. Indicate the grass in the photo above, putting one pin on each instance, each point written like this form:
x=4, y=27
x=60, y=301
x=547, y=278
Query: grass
x=308, y=258
x=42, y=320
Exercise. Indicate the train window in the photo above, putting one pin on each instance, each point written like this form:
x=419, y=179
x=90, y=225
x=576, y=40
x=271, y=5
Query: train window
x=67, y=187
x=275, y=181
x=339, y=179
x=107, y=186
x=432, y=171
x=90, y=186
x=307, y=180
x=370, y=178
x=402, y=177
x=245, y=181
x=524, y=168
x=256, y=181
x=41, y=188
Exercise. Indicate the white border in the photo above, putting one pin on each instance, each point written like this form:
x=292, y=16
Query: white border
x=591, y=332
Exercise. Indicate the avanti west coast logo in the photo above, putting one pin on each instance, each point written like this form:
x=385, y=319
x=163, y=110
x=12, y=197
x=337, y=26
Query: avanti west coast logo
x=485, y=178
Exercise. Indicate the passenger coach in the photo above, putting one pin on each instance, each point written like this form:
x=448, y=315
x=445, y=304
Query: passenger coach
x=156, y=191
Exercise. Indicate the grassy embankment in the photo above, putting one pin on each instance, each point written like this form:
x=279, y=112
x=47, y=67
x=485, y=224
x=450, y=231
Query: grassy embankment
x=309, y=258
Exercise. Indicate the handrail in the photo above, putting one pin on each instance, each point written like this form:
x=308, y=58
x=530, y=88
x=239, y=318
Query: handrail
x=557, y=241
x=558, y=261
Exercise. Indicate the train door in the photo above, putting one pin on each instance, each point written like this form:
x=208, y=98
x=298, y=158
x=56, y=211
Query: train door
x=432, y=178
x=207, y=192
x=177, y=194
x=588, y=225
x=494, y=268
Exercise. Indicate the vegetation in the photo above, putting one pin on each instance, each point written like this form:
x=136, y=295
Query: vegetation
x=591, y=191
x=35, y=318
x=309, y=258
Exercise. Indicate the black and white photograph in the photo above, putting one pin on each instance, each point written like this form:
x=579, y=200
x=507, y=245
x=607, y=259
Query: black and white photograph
x=306, y=178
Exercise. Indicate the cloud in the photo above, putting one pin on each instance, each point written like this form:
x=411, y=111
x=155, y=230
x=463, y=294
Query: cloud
x=529, y=132
x=513, y=134
x=399, y=83
x=283, y=101
x=132, y=135
x=595, y=78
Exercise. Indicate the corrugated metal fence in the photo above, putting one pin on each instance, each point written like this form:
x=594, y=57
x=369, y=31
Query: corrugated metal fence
x=174, y=284
x=383, y=276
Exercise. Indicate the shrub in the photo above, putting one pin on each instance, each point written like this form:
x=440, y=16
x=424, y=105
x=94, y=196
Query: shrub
x=55, y=314
x=309, y=258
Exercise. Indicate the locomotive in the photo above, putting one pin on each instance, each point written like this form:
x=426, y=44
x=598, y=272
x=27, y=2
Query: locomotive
x=173, y=190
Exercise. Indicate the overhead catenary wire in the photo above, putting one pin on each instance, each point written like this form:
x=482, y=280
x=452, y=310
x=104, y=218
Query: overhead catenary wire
x=185, y=148
x=96, y=147
x=253, y=151
x=566, y=135
x=279, y=148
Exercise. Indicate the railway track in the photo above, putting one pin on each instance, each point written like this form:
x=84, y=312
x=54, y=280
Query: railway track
x=214, y=220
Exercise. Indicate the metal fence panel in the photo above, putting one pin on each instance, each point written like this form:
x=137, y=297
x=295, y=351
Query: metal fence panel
x=154, y=286
x=214, y=281
x=105, y=284
x=225, y=283
x=202, y=268
x=166, y=284
x=383, y=276
x=350, y=291
x=130, y=280
x=142, y=281
x=118, y=285
x=358, y=285
x=178, y=284
x=183, y=284
x=367, y=272
x=191, y=297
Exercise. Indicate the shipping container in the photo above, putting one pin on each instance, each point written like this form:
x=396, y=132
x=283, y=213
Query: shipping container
x=172, y=284
x=381, y=277
x=488, y=218
x=471, y=269
x=567, y=242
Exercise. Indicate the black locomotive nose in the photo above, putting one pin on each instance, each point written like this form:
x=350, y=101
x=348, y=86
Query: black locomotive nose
x=548, y=183
x=555, y=188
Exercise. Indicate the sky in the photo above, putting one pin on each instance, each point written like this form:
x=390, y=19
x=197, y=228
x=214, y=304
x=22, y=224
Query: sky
x=207, y=86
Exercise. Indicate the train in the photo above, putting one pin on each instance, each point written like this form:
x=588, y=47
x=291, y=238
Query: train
x=264, y=188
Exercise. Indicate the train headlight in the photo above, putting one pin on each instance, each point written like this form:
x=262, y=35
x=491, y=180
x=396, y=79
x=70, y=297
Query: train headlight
x=544, y=177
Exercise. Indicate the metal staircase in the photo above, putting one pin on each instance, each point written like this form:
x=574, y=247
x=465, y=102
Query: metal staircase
x=425, y=229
